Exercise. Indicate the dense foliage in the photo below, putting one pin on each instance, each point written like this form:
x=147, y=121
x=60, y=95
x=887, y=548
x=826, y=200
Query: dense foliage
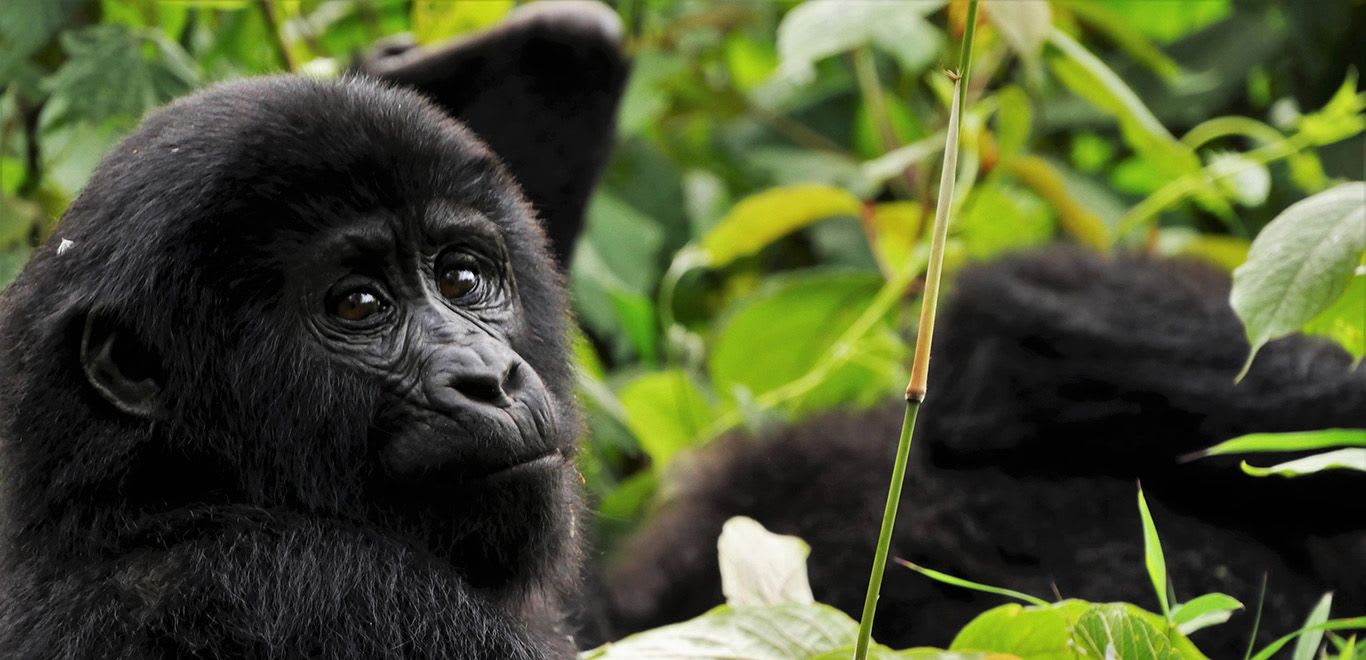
x=756, y=249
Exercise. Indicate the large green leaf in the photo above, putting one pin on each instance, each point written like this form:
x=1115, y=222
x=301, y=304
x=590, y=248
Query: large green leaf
x=767, y=216
x=1074, y=630
x=776, y=632
x=784, y=332
x=818, y=29
x=1032, y=633
x=1113, y=630
x=1300, y=264
x=759, y=567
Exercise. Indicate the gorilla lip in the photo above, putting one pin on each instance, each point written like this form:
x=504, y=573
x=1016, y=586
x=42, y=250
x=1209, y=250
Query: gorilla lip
x=543, y=459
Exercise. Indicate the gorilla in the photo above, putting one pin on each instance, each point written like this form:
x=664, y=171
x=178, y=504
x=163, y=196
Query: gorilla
x=1061, y=377
x=291, y=377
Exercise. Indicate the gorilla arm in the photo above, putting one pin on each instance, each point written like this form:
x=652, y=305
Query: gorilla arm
x=548, y=81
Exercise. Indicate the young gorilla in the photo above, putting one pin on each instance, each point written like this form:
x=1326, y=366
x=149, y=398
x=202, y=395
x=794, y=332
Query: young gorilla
x=291, y=380
x=1059, y=378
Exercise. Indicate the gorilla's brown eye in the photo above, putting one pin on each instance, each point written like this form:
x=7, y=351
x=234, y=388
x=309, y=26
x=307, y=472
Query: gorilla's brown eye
x=458, y=282
x=357, y=305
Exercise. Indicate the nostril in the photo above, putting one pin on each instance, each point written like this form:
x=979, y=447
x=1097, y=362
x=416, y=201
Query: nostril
x=482, y=387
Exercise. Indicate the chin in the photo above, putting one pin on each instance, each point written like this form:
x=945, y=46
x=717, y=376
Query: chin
x=502, y=526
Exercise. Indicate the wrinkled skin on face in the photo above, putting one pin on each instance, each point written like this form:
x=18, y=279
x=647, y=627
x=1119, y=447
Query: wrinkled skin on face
x=287, y=300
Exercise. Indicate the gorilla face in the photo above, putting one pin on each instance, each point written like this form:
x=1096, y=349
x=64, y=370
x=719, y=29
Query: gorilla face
x=426, y=308
x=304, y=296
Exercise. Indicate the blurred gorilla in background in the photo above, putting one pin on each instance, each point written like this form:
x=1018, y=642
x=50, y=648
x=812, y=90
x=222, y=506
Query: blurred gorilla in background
x=291, y=378
x=1060, y=377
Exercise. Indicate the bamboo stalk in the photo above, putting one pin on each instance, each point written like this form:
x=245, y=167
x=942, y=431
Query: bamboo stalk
x=916, y=389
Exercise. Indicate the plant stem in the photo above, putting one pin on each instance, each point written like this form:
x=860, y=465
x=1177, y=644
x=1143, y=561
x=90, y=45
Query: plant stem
x=915, y=391
x=884, y=540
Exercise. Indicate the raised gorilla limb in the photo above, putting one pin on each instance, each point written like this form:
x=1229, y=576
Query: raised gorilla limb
x=1125, y=364
x=548, y=81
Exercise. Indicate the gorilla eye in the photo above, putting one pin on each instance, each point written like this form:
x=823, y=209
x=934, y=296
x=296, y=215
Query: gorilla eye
x=357, y=305
x=458, y=281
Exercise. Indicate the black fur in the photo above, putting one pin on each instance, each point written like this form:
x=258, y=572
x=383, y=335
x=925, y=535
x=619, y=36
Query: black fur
x=541, y=89
x=250, y=516
x=1059, y=379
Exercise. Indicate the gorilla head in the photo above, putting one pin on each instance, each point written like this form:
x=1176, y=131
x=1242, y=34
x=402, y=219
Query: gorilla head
x=298, y=296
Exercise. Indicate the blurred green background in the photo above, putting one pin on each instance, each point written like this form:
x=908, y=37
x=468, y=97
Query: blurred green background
x=754, y=251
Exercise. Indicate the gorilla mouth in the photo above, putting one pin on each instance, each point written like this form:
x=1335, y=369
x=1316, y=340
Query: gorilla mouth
x=473, y=448
x=551, y=458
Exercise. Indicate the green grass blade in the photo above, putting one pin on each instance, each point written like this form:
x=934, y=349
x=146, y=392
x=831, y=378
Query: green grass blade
x=1152, y=555
x=975, y=586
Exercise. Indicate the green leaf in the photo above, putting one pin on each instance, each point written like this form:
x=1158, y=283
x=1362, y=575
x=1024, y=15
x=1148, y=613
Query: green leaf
x=1340, y=118
x=1308, y=644
x=25, y=27
x=107, y=74
x=1023, y=24
x=1171, y=19
x=1014, y=120
x=1152, y=555
x=818, y=29
x=781, y=334
x=1074, y=629
x=1032, y=633
x=999, y=217
x=760, y=219
x=759, y=567
x=1118, y=28
x=1300, y=264
x=1114, y=631
x=1341, y=459
x=1344, y=321
x=1088, y=77
x=645, y=98
x=1289, y=441
x=436, y=20
x=666, y=411
x=895, y=228
x=776, y=632
x=1204, y=611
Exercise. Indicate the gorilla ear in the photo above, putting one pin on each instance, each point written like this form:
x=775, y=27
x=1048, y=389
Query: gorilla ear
x=120, y=368
x=541, y=89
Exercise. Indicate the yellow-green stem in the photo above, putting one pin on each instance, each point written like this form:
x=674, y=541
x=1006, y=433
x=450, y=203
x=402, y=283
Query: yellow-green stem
x=915, y=391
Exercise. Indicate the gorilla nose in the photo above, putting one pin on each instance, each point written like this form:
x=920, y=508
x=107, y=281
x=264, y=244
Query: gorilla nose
x=492, y=384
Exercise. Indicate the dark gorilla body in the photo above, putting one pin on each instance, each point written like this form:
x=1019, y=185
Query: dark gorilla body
x=290, y=380
x=1059, y=379
x=314, y=394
